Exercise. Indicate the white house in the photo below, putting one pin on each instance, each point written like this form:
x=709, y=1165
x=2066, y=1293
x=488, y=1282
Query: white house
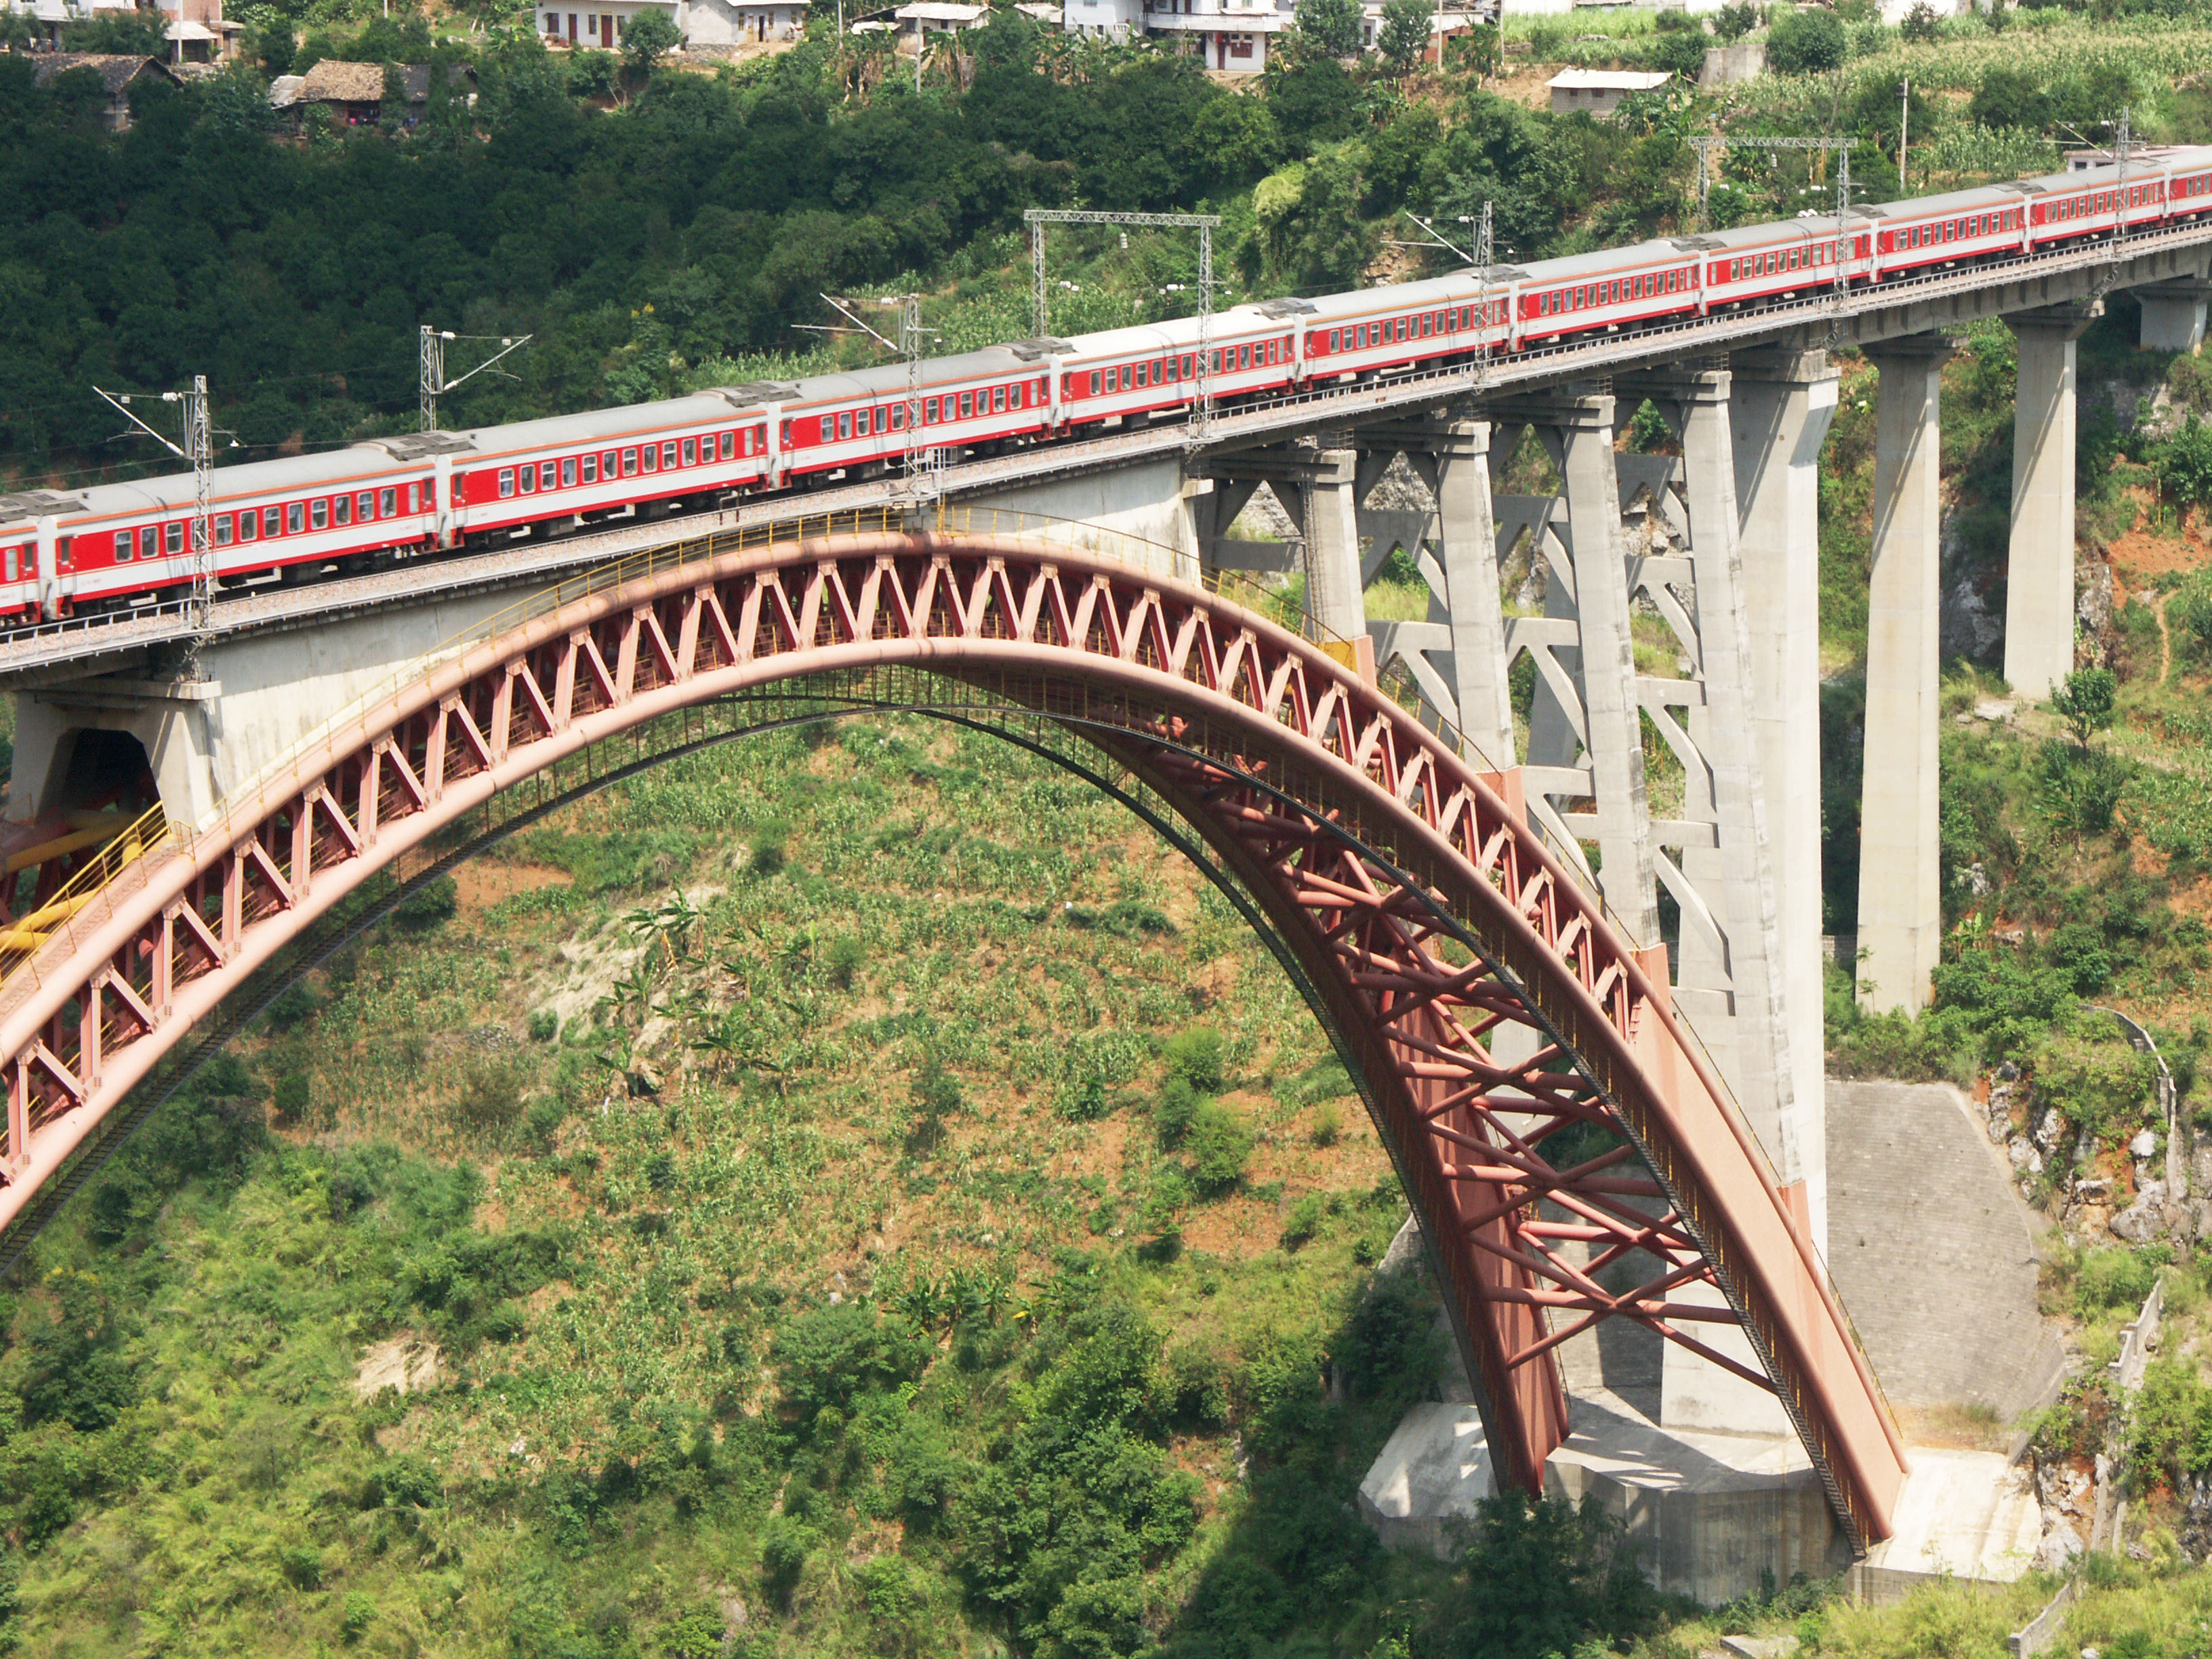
x=1108, y=20
x=1232, y=35
x=700, y=22
x=1598, y=93
x=936, y=16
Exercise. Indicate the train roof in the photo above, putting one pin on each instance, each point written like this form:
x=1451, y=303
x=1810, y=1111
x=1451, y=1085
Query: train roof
x=888, y=379
x=172, y=492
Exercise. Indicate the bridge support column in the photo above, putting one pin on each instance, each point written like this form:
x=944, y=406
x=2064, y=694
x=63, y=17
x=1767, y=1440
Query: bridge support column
x=1782, y=403
x=2173, y=314
x=1457, y=653
x=1728, y=961
x=2039, y=652
x=1331, y=516
x=1901, y=918
x=1589, y=588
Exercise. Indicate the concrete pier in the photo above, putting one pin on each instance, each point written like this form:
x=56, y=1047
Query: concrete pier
x=2039, y=652
x=1900, y=913
x=1782, y=403
x=1334, y=595
x=1468, y=527
x=2173, y=314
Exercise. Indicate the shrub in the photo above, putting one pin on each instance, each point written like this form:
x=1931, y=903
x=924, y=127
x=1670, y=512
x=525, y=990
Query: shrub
x=295, y=1004
x=2183, y=465
x=1807, y=42
x=784, y=1548
x=768, y=859
x=359, y=1614
x=429, y=906
x=1173, y=1111
x=830, y=1358
x=293, y=1098
x=1732, y=24
x=2086, y=702
x=2113, y=1278
x=490, y=1099
x=544, y=1026
x=302, y=1568
x=1196, y=1055
x=1219, y=1143
x=845, y=955
x=1327, y=1126
x=1304, y=1221
x=1086, y=1101
x=1545, y=1577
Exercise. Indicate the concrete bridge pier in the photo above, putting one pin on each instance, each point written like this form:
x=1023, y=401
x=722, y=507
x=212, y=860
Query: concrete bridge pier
x=2039, y=575
x=1589, y=587
x=1781, y=404
x=1901, y=916
x=2173, y=313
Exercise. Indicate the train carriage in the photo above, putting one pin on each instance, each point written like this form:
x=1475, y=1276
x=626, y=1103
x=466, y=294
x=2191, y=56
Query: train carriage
x=125, y=544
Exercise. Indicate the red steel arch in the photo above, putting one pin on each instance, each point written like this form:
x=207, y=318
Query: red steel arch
x=1425, y=915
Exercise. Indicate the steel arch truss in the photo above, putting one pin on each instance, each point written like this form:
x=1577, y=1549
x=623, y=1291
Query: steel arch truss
x=1490, y=1009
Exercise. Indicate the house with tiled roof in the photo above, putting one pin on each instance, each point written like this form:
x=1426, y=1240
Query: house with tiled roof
x=118, y=72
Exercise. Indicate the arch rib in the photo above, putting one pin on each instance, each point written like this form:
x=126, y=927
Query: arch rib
x=1488, y=1003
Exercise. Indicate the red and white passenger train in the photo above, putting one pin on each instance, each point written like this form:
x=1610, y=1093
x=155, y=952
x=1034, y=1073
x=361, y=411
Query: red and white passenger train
x=116, y=545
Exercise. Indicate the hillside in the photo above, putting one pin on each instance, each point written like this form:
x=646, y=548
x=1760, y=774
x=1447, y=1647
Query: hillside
x=853, y=1189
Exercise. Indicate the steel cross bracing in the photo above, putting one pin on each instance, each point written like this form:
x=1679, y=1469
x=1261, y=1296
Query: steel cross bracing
x=1429, y=918
x=1815, y=317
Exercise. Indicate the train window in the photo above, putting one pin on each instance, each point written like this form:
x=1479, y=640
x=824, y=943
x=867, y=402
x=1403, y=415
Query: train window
x=607, y=465
x=967, y=405
x=122, y=547
x=147, y=535
x=14, y=568
x=222, y=530
x=726, y=444
x=629, y=463
x=929, y=408
x=172, y=537
x=387, y=503
x=1144, y=373
x=247, y=523
x=65, y=555
x=997, y=400
x=591, y=464
x=1187, y=363
x=692, y=450
x=652, y=452
x=506, y=481
x=898, y=417
x=668, y=456
x=318, y=513
x=342, y=509
x=364, y=505
x=528, y=481
x=568, y=472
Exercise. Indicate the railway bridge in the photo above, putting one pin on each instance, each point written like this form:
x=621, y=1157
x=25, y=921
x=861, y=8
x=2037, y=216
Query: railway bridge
x=1415, y=851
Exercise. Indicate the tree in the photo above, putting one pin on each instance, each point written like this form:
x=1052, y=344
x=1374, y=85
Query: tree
x=1808, y=43
x=1732, y=24
x=1404, y=33
x=1331, y=27
x=2183, y=465
x=1920, y=25
x=2008, y=97
x=648, y=37
x=2085, y=702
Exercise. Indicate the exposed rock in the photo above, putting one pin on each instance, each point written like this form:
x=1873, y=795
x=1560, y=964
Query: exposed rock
x=2092, y=607
x=2145, y=1144
x=2048, y=1131
x=405, y=1364
x=1966, y=628
x=2061, y=1544
x=1995, y=709
x=2148, y=1218
x=2024, y=1156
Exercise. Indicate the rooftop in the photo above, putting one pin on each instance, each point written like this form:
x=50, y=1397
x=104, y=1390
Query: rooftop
x=1576, y=79
x=116, y=71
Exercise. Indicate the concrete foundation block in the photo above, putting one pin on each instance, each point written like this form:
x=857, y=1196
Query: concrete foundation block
x=1428, y=1479
x=1711, y=1515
